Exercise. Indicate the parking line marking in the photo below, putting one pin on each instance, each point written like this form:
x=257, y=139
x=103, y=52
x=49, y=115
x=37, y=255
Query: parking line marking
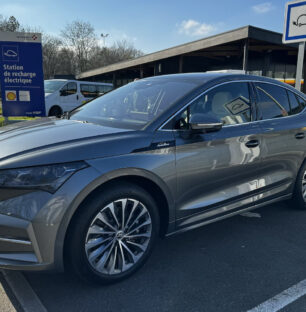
x=282, y=299
x=6, y=304
x=23, y=292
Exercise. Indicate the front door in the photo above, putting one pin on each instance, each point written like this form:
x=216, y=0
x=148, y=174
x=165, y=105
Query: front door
x=217, y=171
x=69, y=98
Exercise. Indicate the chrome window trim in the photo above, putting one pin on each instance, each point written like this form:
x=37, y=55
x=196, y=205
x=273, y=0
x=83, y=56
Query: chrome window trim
x=227, y=82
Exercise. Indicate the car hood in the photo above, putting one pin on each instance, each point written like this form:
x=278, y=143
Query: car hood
x=50, y=140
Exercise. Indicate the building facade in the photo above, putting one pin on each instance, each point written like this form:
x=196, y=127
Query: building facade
x=255, y=50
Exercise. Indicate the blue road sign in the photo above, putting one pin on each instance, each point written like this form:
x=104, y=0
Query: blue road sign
x=295, y=22
x=21, y=74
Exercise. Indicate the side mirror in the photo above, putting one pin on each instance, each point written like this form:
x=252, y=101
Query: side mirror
x=63, y=92
x=205, y=123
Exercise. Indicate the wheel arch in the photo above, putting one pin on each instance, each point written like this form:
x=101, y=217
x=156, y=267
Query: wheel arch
x=142, y=178
x=55, y=106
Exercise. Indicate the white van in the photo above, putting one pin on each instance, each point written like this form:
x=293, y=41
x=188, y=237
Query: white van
x=62, y=95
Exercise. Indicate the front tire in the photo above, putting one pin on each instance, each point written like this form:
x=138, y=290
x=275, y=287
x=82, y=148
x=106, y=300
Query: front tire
x=299, y=194
x=55, y=111
x=113, y=234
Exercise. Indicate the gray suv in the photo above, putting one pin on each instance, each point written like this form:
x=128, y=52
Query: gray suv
x=92, y=191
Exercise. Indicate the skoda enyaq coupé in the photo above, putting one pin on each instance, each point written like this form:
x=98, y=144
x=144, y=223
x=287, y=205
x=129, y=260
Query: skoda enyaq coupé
x=92, y=191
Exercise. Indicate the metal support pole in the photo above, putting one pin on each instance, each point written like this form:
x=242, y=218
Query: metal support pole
x=181, y=63
x=141, y=73
x=299, y=66
x=245, y=55
x=114, y=81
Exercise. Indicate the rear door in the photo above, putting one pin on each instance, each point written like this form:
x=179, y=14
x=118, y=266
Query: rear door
x=282, y=139
x=217, y=172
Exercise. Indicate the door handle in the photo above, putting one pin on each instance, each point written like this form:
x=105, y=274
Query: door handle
x=252, y=143
x=300, y=135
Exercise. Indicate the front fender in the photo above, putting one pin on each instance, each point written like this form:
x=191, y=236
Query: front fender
x=159, y=169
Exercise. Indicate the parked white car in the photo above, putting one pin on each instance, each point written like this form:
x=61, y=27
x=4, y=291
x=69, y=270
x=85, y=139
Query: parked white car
x=62, y=95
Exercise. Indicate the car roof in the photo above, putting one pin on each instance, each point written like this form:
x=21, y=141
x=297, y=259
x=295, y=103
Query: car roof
x=216, y=78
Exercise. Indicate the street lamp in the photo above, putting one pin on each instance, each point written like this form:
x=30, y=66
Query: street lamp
x=103, y=37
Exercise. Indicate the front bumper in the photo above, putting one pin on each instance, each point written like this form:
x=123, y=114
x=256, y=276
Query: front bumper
x=18, y=245
x=33, y=225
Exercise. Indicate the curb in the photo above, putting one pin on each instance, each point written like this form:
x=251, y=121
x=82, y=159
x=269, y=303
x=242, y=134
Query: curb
x=23, y=291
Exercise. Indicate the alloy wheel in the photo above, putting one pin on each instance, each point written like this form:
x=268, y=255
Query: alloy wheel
x=304, y=186
x=118, y=236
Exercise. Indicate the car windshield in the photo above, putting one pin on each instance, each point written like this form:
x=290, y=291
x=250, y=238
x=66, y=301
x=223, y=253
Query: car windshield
x=134, y=105
x=52, y=85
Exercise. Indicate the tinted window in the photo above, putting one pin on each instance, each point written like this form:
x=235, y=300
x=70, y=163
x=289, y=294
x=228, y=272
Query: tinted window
x=295, y=105
x=103, y=89
x=301, y=101
x=89, y=91
x=272, y=101
x=230, y=103
x=108, y=88
x=69, y=88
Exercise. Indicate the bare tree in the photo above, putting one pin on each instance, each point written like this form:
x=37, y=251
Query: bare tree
x=124, y=50
x=78, y=49
x=80, y=37
x=51, y=54
x=66, y=62
x=118, y=52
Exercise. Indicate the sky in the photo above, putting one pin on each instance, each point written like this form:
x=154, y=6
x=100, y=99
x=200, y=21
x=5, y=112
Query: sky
x=150, y=25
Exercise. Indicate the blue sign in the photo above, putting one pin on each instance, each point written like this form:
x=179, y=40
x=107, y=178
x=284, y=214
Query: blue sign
x=21, y=75
x=295, y=22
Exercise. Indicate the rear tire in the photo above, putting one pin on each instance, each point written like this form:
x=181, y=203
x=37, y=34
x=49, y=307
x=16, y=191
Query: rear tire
x=299, y=194
x=106, y=242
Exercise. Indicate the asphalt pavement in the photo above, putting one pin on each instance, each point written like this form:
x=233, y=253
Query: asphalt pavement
x=233, y=265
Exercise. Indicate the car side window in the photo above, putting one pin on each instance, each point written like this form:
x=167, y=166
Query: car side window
x=89, y=91
x=272, y=101
x=69, y=88
x=295, y=106
x=230, y=103
x=301, y=101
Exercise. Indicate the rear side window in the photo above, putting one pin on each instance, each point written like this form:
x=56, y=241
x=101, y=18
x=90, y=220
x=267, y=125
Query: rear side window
x=100, y=90
x=272, y=101
x=103, y=89
x=295, y=105
x=301, y=101
x=89, y=91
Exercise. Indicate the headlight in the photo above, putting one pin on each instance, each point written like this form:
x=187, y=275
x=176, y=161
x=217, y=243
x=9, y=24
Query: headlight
x=48, y=178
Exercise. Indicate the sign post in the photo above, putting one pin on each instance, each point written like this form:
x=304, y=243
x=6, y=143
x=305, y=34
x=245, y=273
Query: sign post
x=21, y=74
x=295, y=31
